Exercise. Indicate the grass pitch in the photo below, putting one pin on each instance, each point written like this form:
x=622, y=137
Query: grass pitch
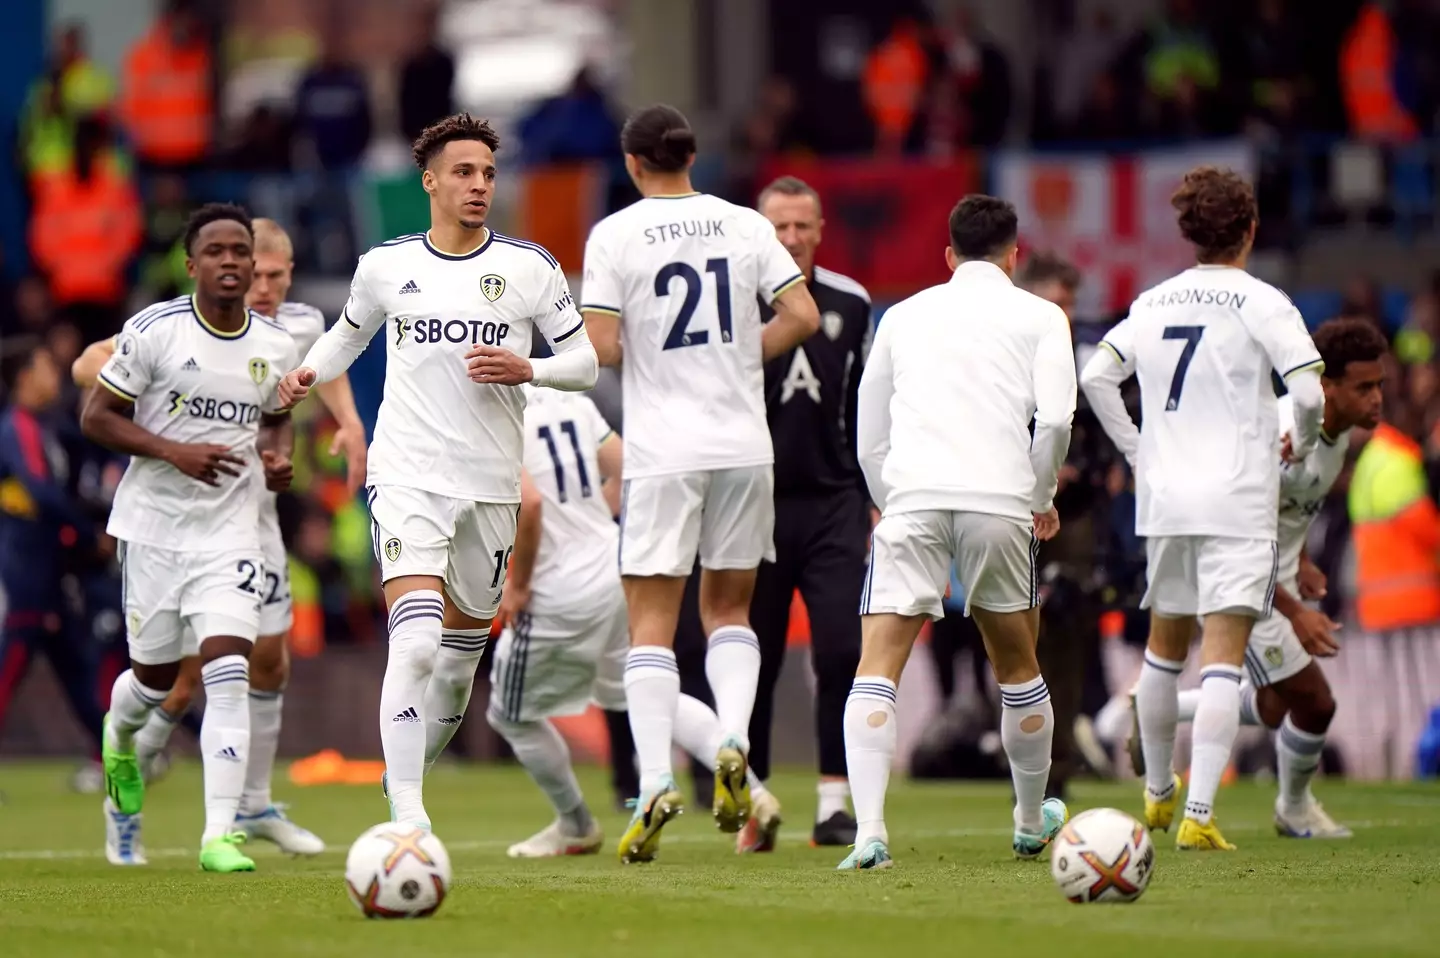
x=955, y=891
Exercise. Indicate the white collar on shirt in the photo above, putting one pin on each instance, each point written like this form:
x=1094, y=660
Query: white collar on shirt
x=979, y=270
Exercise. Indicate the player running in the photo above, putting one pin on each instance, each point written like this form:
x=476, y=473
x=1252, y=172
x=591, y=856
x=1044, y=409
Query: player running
x=566, y=632
x=1203, y=345
x=200, y=374
x=954, y=379
x=681, y=273
x=1287, y=690
x=463, y=304
x=259, y=816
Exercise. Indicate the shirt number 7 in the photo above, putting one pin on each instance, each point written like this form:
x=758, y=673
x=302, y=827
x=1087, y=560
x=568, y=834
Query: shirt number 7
x=1191, y=335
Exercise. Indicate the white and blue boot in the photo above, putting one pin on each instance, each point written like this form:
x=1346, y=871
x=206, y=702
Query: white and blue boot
x=273, y=825
x=123, y=844
x=872, y=854
x=1053, y=816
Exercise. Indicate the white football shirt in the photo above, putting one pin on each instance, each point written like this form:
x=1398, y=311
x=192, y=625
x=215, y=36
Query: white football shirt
x=579, y=541
x=191, y=383
x=437, y=430
x=1304, y=487
x=955, y=375
x=685, y=275
x=1203, y=346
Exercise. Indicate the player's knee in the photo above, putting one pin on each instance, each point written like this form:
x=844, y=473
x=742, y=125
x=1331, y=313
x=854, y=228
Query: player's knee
x=1313, y=707
x=269, y=665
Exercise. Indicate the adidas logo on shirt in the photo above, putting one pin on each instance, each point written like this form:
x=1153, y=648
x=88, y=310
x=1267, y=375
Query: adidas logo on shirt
x=228, y=753
x=409, y=287
x=409, y=715
x=191, y=366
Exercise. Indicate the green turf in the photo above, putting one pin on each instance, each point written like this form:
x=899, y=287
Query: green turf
x=955, y=890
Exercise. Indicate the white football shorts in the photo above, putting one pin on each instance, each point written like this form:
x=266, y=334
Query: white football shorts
x=1275, y=653
x=726, y=516
x=911, y=555
x=175, y=600
x=277, y=613
x=549, y=665
x=467, y=544
x=1198, y=575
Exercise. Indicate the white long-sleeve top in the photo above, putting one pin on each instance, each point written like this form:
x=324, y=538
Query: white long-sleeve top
x=955, y=376
x=1203, y=346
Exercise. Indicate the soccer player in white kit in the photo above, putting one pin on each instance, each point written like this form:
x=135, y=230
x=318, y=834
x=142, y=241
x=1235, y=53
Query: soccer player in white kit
x=956, y=375
x=461, y=305
x=565, y=633
x=1204, y=345
x=200, y=373
x=671, y=283
x=259, y=816
x=1286, y=690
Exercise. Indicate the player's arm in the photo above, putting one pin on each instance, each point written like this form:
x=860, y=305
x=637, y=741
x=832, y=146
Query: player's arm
x=276, y=445
x=340, y=345
x=603, y=328
x=1055, y=391
x=86, y=368
x=611, y=457
x=797, y=318
x=600, y=301
x=527, y=546
x=1292, y=352
x=106, y=416
x=782, y=286
x=349, y=439
x=1315, y=630
x=872, y=415
x=1104, y=374
x=575, y=366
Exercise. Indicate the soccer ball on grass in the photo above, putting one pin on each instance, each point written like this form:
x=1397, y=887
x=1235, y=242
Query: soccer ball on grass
x=397, y=871
x=1102, y=855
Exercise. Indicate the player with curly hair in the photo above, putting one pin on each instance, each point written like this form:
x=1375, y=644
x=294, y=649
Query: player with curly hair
x=462, y=305
x=1203, y=345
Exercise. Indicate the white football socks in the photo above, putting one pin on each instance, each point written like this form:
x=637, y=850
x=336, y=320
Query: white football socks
x=414, y=641
x=652, y=691
x=1157, y=708
x=834, y=799
x=224, y=740
x=698, y=733
x=732, y=667
x=1298, y=755
x=870, y=736
x=1027, y=726
x=266, y=709
x=130, y=706
x=1189, y=701
x=154, y=735
x=448, y=693
x=1217, y=720
x=543, y=752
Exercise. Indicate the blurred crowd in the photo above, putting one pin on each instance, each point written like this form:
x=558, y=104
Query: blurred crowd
x=113, y=164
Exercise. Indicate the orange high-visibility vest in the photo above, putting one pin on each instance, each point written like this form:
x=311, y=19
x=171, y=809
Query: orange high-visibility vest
x=1367, y=62
x=84, y=232
x=893, y=82
x=1397, y=535
x=166, y=102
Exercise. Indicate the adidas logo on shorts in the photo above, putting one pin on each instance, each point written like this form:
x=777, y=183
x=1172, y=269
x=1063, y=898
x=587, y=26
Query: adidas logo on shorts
x=409, y=715
x=451, y=720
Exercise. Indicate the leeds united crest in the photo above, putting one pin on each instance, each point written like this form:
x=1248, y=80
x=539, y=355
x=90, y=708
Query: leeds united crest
x=833, y=324
x=259, y=370
x=492, y=286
